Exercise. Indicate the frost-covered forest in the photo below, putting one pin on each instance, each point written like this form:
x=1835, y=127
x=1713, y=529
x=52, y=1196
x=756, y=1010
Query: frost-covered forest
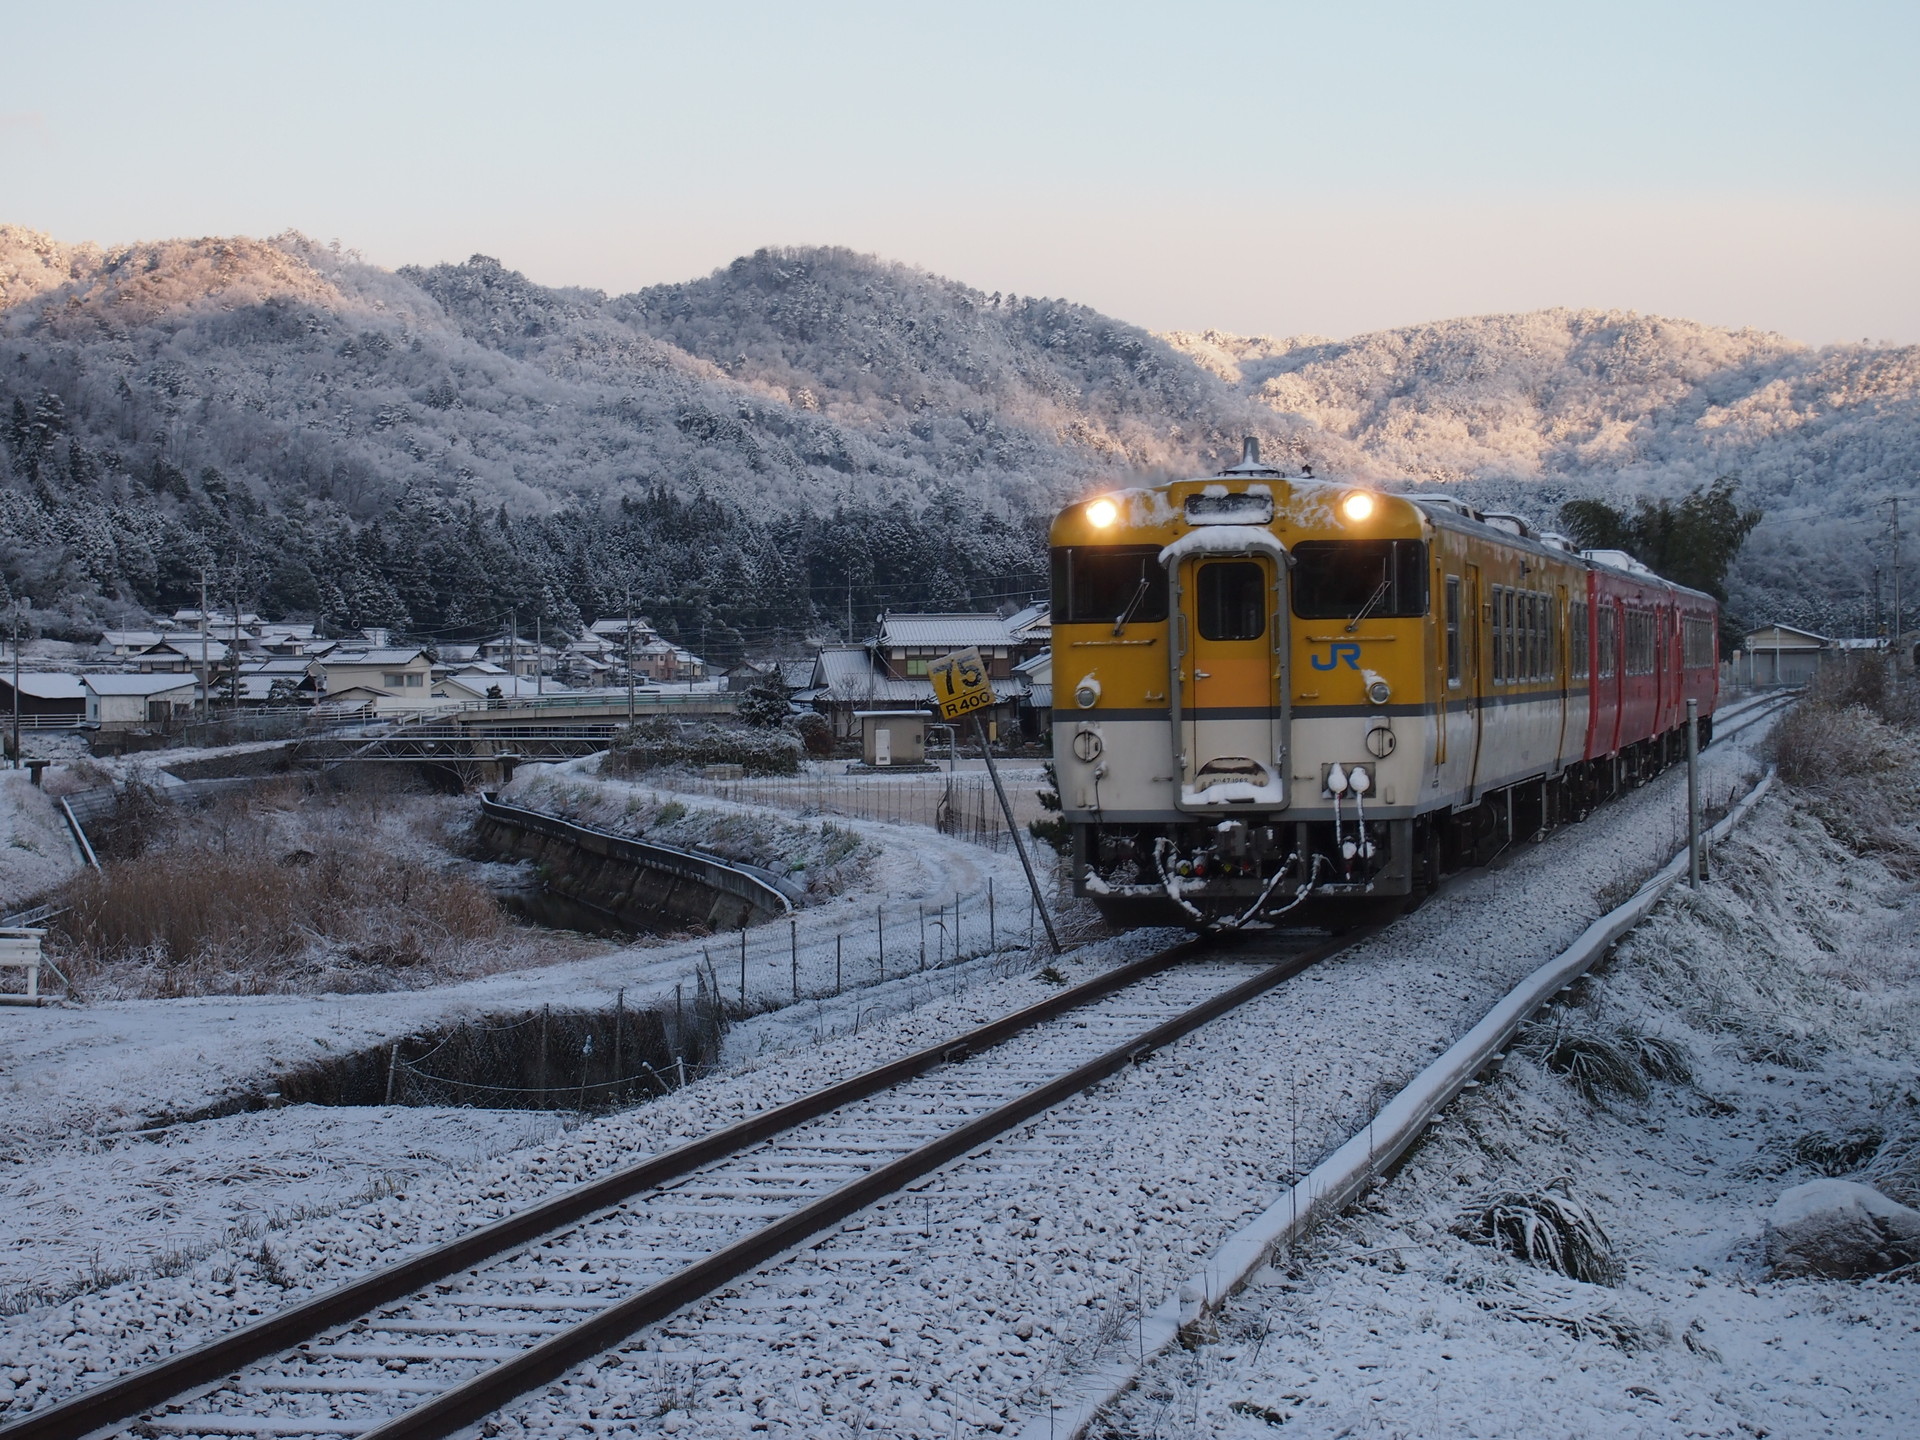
x=803, y=438
x=1523, y=412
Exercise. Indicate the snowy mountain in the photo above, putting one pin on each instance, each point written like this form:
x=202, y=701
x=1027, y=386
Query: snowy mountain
x=802, y=433
x=1526, y=410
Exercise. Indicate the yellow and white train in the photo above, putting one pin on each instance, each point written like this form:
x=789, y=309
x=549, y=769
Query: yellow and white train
x=1270, y=688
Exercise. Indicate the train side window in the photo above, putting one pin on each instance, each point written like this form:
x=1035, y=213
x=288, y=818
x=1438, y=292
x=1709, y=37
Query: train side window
x=1499, y=636
x=1232, y=600
x=1609, y=641
x=1335, y=579
x=1512, y=634
x=1532, y=632
x=1097, y=584
x=1577, y=640
x=1453, y=629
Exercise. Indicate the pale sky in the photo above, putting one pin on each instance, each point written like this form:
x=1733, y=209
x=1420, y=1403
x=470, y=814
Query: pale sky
x=1268, y=168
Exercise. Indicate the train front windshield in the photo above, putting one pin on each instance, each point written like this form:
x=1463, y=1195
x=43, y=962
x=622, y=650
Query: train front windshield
x=1339, y=579
x=1105, y=584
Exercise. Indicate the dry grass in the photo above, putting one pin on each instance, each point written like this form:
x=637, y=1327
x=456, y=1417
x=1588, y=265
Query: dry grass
x=274, y=892
x=1853, y=750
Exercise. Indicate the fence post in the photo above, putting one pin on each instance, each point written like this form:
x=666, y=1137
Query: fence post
x=923, y=935
x=836, y=964
x=992, y=943
x=620, y=1024
x=393, y=1070
x=743, y=965
x=793, y=937
x=880, y=932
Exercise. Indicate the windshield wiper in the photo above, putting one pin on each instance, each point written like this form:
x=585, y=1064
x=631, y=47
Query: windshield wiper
x=1139, y=594
x=1379, y=594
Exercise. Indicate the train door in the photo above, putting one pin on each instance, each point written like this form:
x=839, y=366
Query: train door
x=1229, y=681
x=1559, y=657
x=1474, y=637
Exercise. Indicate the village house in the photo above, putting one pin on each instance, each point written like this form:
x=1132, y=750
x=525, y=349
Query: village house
x=46, y=697
x=132, y=702
x=399, y=678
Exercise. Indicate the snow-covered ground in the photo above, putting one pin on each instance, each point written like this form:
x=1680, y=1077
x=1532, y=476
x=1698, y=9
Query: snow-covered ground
x=957, y=1306
x=1793, y=981
x=36, y=850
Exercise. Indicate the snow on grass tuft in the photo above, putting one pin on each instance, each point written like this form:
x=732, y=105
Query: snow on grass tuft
x=1550, y=1228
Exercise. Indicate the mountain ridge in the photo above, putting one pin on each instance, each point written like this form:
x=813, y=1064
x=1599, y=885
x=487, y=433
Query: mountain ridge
x=814, y=382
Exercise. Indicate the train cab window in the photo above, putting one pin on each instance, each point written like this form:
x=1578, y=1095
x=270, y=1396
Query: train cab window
x=1232, y=600
x=1339, y=579
x=1098, y=584
x=1453, y=629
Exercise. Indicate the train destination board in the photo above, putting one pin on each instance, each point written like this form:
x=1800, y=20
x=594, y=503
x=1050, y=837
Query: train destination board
x=960, y=683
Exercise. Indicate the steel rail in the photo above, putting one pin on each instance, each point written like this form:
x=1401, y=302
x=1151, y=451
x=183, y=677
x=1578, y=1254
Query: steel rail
x=480, y=1396
x=133, y=1394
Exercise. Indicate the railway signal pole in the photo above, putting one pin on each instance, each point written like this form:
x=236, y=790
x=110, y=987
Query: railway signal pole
x=961, y=687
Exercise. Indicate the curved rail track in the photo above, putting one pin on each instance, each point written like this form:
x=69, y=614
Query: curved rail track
x=440, y=1340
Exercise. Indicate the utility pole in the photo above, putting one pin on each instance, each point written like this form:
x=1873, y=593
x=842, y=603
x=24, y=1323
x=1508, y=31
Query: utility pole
x=1894, y=526
x=204, y=674
x=19, y=615
x=539, y=660
x=513, y=649
x=233, y=655
x=629, y=639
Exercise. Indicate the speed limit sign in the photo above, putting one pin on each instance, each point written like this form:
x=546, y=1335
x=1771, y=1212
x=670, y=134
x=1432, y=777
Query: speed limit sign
x=960, y=683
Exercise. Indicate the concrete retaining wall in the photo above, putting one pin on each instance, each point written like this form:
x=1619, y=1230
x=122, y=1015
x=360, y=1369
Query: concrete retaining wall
x=643, y=885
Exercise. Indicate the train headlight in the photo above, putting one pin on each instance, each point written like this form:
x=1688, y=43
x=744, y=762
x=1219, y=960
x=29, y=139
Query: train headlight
x=1085, y=697
x=1357, y=506
x=1102, y=513
x=1379, y=692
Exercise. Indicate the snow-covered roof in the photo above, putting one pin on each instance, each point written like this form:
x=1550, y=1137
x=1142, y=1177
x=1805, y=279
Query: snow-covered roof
x=1775, y=633
x=1033, y=623
x=375, y=657
x=138, y=684
x=847, y=672
x=1041, y=697
x=46, y=684
x=479, y=667
x=511, y=687
x=950, y=632
x=131, y=639
x=619, y=627
x=189, y=647
x=1038, y=669
x=278, y=665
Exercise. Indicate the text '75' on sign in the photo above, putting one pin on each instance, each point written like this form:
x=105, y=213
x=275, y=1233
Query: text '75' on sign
x=960, y=683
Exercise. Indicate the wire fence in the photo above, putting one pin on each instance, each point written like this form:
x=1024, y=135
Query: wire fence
x=962, y=804
x=592, y=1059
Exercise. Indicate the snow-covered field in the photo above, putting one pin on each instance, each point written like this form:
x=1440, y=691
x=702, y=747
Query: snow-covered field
x=1793, y=983
x=36, y=851
x=1004, y=1271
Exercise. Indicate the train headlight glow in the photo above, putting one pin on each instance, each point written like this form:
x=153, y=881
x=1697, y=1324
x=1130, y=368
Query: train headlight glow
x=1357, y=506
x=1102, y=513
x=1379, y=692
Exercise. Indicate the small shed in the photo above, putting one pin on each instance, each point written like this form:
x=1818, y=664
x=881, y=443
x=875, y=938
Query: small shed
x=891, y=738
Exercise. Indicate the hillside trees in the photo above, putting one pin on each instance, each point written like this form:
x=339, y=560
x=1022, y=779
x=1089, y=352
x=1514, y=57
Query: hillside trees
x=1691, y=541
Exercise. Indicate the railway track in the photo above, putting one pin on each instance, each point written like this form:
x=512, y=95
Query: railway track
x=444, y=1338
x=439, y=1341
